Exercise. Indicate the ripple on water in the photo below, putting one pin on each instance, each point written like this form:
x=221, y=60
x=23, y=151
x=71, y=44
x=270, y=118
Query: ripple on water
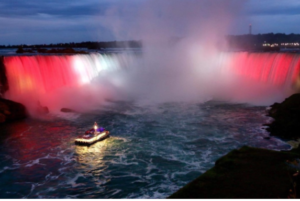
x=152, y=152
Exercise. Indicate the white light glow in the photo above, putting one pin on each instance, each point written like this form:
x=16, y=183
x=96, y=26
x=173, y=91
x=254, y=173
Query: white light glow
x=94, y=139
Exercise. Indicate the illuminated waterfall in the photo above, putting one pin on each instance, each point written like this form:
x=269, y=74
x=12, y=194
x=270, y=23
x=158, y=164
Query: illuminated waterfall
x=273, y=68
x=42, y=74
x=39, y=79
x=60, y=81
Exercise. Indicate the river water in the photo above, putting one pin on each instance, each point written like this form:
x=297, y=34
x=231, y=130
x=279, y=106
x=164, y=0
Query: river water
x=154, y=149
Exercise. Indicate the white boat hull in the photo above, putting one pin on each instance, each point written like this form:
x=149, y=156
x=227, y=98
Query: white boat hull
x=98, y=137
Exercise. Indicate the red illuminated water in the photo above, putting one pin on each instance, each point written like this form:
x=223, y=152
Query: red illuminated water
x=54, y=80
x=40, y=78
x=274, y=68
x=40, y=73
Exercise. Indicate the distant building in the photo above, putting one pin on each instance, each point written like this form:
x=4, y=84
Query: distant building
x=250, y=29
x=289, y=45
x=282, y=47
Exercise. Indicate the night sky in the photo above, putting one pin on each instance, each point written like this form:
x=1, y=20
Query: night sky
x=56, y=21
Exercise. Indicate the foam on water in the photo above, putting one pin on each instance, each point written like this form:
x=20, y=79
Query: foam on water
x=153, y=149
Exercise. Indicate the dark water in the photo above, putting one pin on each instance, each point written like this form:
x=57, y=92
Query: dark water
x=152, y=152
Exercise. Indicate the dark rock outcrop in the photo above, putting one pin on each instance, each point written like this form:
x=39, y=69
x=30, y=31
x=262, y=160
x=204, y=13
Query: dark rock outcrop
x=67, y=110
x=11, y=111
x=3, y=78
x=286, y=124
x=42, y=109
x=248, y=173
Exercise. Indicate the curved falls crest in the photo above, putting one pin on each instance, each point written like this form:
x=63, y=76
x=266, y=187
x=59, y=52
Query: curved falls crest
x=55, y=80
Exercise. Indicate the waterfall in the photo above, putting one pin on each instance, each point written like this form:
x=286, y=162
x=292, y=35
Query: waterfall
x=273, y=68
x=58, y=81
x=48, y=80
x=43, y=74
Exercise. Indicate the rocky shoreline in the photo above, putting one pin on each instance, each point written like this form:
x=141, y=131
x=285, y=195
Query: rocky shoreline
x=286, y=124
x=252, y=172
x=11, y=111
x=248, y=173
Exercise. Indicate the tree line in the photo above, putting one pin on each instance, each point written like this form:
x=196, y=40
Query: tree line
x=89, y=45
x=247, y=41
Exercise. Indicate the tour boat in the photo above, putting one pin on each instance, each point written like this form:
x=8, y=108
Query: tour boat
x=93, y=135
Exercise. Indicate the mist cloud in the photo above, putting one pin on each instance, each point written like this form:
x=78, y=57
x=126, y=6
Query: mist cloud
x=182, y=41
